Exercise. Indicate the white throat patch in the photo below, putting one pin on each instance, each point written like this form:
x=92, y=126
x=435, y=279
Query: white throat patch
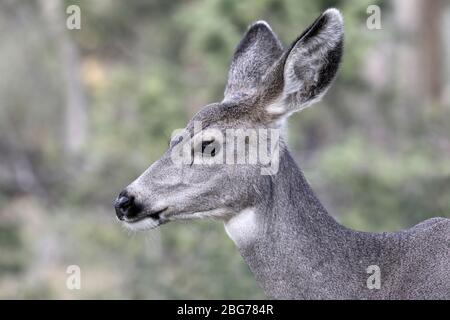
x=242, y=227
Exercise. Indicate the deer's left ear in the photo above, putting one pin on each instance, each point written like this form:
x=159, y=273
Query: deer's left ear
x=308, y=67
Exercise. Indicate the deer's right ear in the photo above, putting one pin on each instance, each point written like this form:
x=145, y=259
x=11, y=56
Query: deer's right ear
x=256, y=52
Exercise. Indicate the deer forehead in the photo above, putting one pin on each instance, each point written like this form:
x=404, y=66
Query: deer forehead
x=240, y=113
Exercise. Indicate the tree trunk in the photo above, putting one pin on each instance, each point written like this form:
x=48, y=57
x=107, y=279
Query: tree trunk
x=431, y=50
x=75, y=119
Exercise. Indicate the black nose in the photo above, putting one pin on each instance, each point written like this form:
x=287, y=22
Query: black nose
x=125, y=206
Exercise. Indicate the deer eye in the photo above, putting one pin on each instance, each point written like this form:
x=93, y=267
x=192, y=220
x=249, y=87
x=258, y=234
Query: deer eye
x=211, y=148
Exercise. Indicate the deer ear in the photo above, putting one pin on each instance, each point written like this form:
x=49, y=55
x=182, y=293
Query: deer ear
x=310, y=65
x=256, y=52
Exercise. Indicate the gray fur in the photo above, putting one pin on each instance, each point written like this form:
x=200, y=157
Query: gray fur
x=258, y=50
x=295, y=249
x=301, y=252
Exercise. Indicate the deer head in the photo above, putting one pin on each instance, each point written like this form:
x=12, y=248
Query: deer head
x=265, y=85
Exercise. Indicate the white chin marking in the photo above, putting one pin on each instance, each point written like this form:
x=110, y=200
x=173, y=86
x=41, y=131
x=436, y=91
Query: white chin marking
x=145, y=224
x=242, y=227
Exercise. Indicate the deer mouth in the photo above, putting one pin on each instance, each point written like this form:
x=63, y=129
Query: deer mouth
x=155, y=215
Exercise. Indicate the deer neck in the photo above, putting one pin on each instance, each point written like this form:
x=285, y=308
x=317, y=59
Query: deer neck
x=288, y=235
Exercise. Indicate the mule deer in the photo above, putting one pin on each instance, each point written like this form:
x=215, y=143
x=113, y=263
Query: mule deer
x=295, y=249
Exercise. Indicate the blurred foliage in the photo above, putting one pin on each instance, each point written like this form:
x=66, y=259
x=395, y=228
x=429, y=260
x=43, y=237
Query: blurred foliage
x=146, y=67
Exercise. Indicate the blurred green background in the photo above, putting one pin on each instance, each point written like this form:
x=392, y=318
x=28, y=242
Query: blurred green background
x=84, y=112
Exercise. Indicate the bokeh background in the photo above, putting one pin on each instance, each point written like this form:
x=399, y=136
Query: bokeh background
x=84, y=112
